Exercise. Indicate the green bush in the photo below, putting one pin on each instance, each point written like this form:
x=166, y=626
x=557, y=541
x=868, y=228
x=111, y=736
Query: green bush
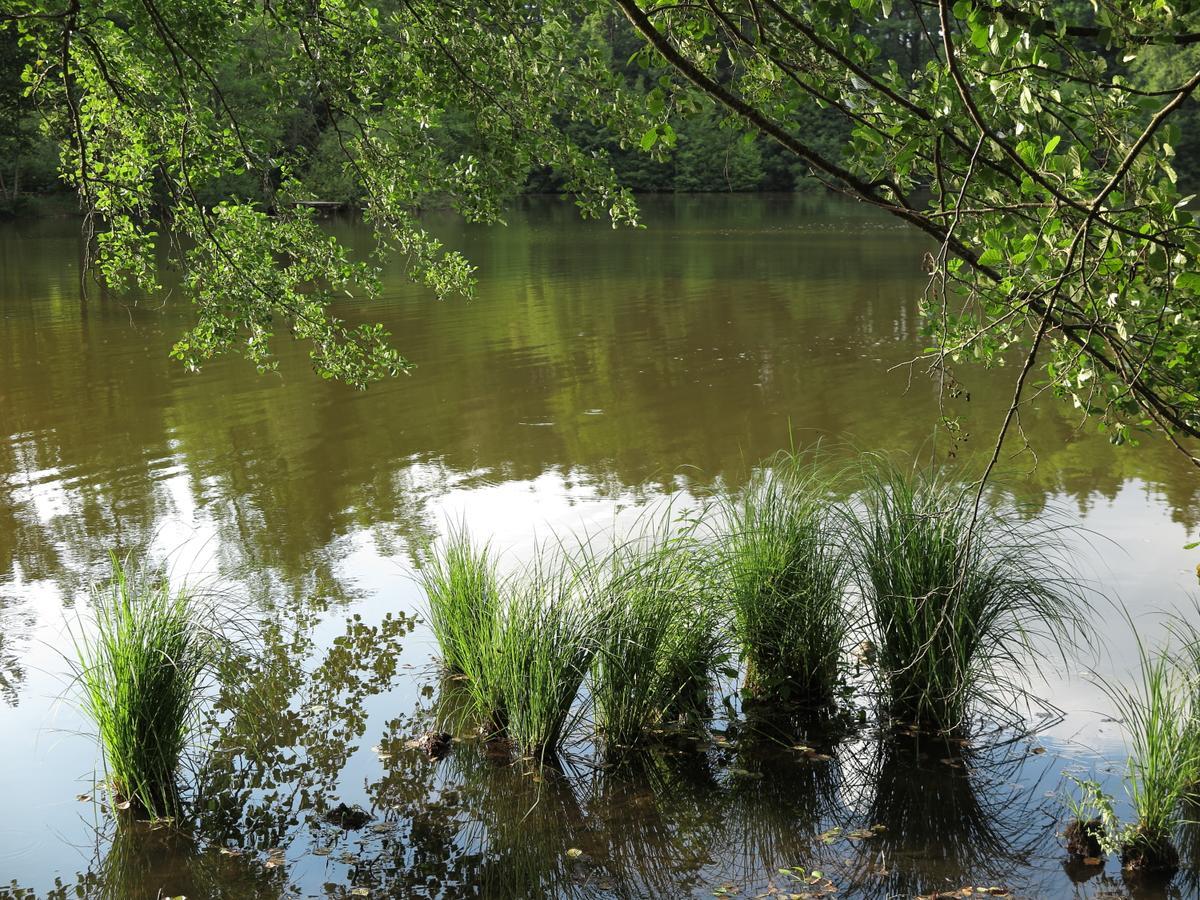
x=787, y=571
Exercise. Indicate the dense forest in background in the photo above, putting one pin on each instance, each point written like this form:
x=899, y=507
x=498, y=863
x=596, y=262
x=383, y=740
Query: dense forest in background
x=705, y=151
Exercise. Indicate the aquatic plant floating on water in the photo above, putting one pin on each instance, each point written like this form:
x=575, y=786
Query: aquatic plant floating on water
x=143, y=666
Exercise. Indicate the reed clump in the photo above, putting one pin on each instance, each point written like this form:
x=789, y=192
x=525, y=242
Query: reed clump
x=544, y=641
x=956, y=600
x=781, y=544
x=521, y=644
x=143, y=668
x=1158, y=712
x=462, y=590
x=658, y=643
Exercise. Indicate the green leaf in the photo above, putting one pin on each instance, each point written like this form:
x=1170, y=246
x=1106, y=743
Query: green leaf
x=1188, y=281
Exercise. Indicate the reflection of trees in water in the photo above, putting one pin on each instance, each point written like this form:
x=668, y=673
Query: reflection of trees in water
x=12, y=673
x=949, y=817
x=144, y=862
x=476, y=824
x=286, y=732
x=287, y=466
x=673, y=819
x=670, y=820
x=140, y=861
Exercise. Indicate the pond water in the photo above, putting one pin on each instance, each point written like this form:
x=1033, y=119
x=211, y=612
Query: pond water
x=597, y=374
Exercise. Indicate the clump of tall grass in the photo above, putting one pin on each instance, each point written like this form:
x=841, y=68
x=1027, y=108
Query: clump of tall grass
x=143, y=669
x=787, y=573
x=522, y=644
x=462, y=592
x=1158, y=712
x=956, y=600
x=658, y=645
x=541, y=648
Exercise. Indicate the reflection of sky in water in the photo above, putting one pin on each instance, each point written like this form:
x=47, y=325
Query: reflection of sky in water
x=584, y=387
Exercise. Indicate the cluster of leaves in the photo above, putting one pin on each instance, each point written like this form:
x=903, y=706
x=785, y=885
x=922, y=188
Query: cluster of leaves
x=153, y=138
x=1017, y=136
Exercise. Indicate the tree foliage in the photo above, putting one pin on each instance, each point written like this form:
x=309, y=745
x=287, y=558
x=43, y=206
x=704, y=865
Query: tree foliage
x=163, y=149
x=1034, y=141
x=1053, y=195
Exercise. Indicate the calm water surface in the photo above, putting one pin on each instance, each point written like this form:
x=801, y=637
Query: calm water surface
x=598, y=373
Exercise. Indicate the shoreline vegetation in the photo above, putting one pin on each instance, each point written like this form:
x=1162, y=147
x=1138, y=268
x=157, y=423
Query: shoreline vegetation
x=794, y=610
x=792, y=588
x=64, y=203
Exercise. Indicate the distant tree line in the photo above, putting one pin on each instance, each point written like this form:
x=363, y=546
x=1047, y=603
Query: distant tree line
x=703, y=150
x=707, y=154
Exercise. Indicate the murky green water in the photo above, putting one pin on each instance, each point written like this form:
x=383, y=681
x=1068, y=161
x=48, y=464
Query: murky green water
x=597, y=373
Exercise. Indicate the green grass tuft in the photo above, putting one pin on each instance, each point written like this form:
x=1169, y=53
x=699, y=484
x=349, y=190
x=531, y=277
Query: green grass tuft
x=462, y=591
x=542, y=647
x=143, y=670
x=956, y=603
x=787, y=573
x=659, y=644
x=1158, y=714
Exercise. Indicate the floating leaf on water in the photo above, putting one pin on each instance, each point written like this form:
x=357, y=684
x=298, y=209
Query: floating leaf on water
x=321, y=851
x=574, y=853
x=360, y=892
x=122, y=804
x=230, y=851
x=861, y=834
x=1037, y=750
x=1093, y=861
x=83, y=798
